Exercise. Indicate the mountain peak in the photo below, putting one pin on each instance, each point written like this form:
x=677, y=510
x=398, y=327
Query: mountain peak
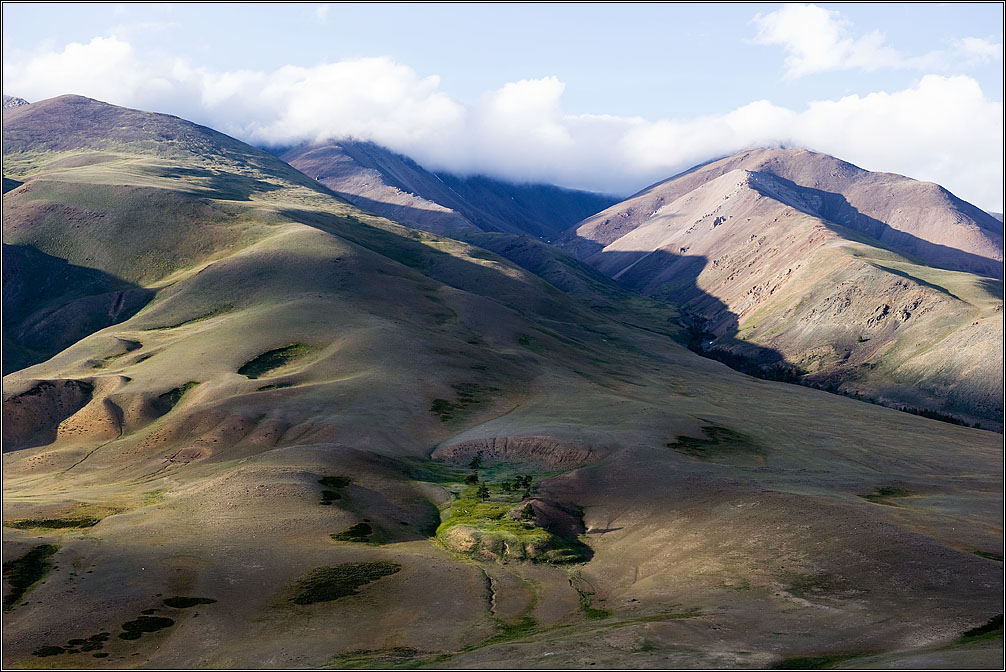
x=13, y=102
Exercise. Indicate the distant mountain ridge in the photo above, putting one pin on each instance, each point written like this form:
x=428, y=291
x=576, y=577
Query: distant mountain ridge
x=868, y=283
x=920, y=219
x=395, y=186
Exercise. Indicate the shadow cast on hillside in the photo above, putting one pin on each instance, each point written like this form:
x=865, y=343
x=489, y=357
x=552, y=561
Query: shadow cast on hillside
x=843, y=218
x=211, y=184
x=711, y=327
x=49, y=304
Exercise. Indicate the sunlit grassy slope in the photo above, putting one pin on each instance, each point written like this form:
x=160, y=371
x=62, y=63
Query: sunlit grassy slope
x=303, y=369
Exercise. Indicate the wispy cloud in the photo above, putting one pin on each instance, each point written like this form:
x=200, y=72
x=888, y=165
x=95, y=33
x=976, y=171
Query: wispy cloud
x=321, y=12
x=819, y=40
x=942, y=128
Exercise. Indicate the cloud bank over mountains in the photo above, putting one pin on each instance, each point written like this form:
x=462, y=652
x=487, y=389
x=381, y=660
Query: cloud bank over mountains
x=819, y=40
x=942, y=128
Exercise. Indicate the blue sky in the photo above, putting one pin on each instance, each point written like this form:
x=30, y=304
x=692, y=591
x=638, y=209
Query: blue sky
x=599, y=96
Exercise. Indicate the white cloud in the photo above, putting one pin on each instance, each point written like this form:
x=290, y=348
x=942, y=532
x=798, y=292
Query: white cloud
x=977, y=51
x=818, y=40
x=943, y=129
x=321, y=12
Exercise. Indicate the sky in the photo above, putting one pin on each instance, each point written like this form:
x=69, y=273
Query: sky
x=607, y=97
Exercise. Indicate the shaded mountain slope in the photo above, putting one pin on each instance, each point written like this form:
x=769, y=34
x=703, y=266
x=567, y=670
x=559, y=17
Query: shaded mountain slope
x=394, y=186
x=752, y=256
x=268, y=452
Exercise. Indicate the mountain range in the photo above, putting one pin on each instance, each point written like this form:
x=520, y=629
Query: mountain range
x=250, y=422
x=787, y=263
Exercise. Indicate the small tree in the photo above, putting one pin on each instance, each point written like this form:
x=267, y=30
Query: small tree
x=527, y=513
x=472, y=478
x=483, y=492
x=476, y=462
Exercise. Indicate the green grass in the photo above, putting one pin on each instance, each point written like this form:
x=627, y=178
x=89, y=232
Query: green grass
x=468, y=396
x=205, y=316
x=592, y=613
x=506, y=632
x=273, y=359
x=993, y=629
x=989, y=555
x=174, y=395
x=25, y=572
x=52, y=523
x=492, y=530
x=325, y=584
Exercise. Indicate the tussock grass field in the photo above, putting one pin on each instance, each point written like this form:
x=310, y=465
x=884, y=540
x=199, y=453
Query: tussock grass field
x=304, y=371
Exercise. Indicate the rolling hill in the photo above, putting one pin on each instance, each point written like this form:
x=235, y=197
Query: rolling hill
x=274, y=457
x=394, y=186
x=871, y=284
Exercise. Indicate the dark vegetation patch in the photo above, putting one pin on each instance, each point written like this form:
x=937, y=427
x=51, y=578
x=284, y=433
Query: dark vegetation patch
x=814, y=662
x=360, y=532
x=135, y=629
x=186, y=602
x=993, y=629
x=884, y=495
x=399, y=656
x=479, y=253
x=23, y=573
x=173, y=396
x=273, y=359
x=325, y=584
x=722, y=443
x=332, y=485
x=52, y=523
x=989, y=555
x=49, y=650
x=213, y=313
x=468, y=396
x=129, y=346
x=92, y=643
x=274, y=386
x=936, y=415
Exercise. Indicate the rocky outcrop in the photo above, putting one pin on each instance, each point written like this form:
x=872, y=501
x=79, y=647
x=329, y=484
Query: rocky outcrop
x=540, y=450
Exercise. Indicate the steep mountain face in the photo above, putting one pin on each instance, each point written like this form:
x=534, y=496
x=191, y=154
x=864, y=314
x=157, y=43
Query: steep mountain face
x=391, y=185
x=873, y=284
x=267, y=461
